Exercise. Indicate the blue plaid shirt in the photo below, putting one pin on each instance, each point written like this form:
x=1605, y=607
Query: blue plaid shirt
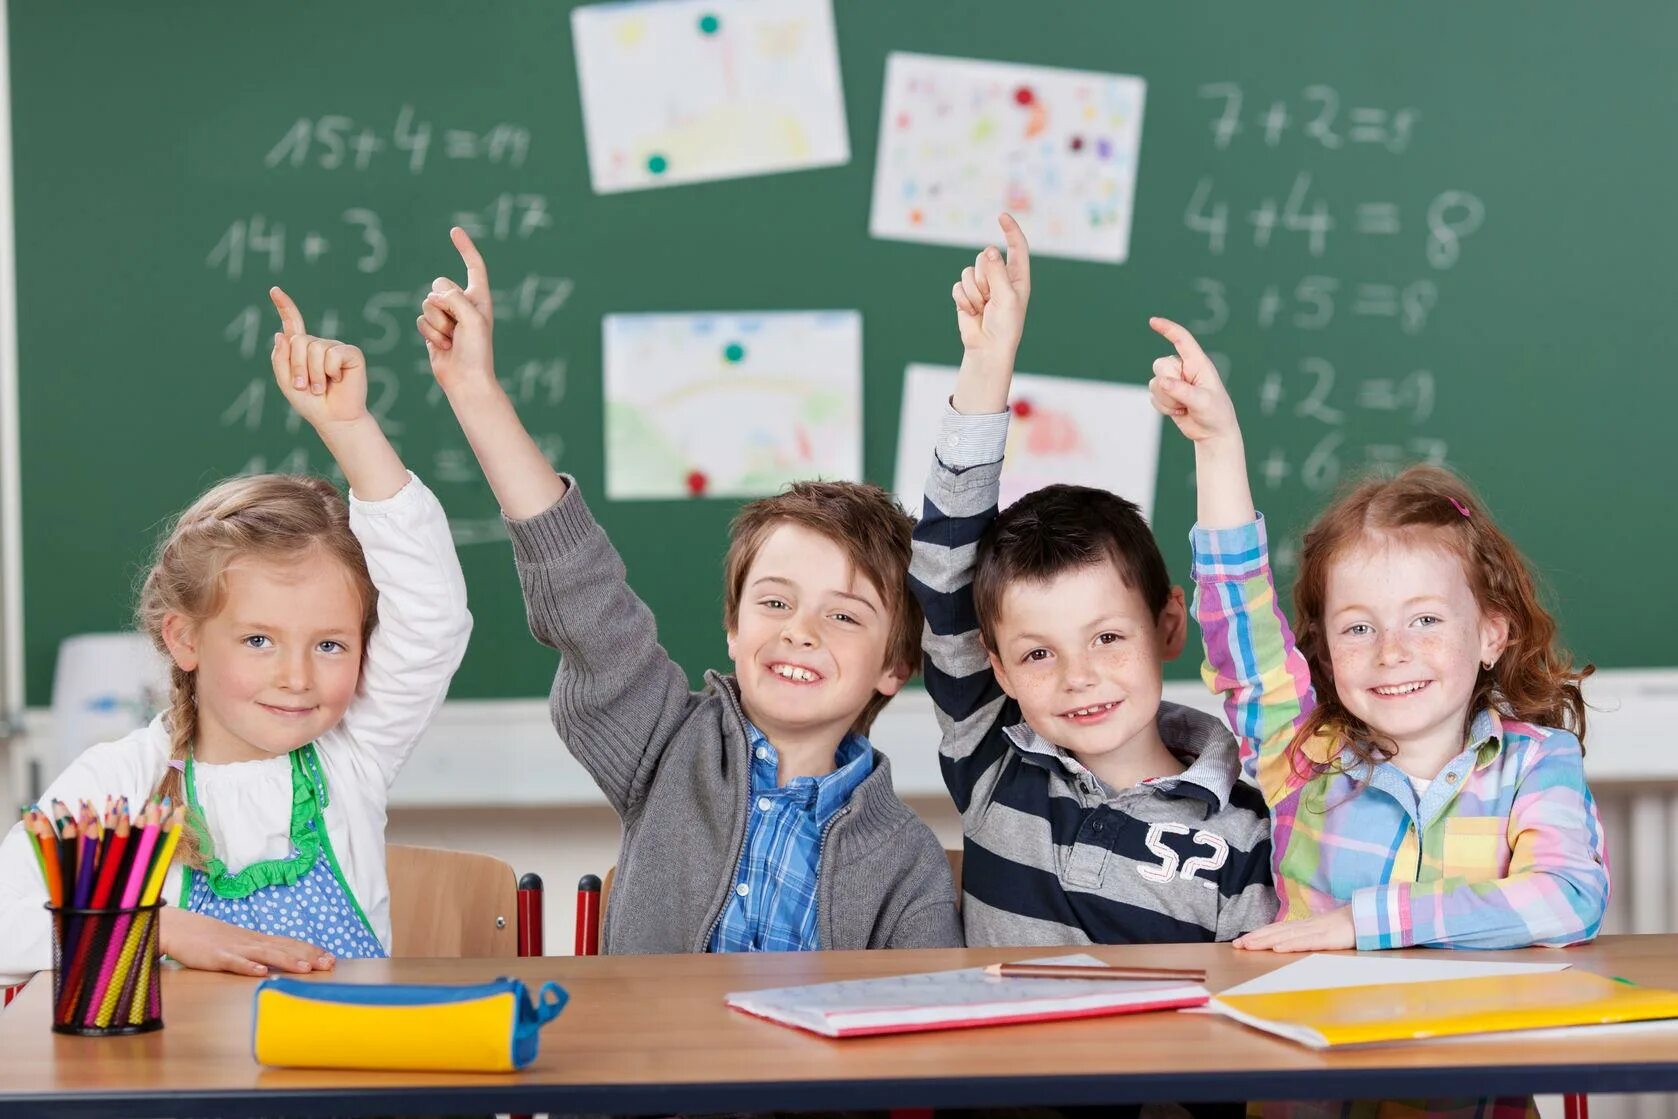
x=773, y=906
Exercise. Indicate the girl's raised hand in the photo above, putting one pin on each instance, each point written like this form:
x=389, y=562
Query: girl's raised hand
x=324, y=379
x=1186, y=387
x=456, y=323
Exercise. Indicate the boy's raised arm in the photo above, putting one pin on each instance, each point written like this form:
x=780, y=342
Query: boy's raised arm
x=457, y=324
x=961, y=494
x=617, y=699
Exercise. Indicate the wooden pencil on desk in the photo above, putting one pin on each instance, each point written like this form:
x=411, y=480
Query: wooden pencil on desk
x=1090, y=971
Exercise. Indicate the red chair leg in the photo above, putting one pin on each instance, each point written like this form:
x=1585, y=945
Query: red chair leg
x=530, y=924
x=530, y=915
x=1576, y=1106
x=588, y=916
x=7, y=994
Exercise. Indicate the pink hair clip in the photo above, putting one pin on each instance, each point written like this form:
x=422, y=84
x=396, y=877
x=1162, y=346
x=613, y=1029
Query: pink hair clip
x=178, y=764
x=1461, y=508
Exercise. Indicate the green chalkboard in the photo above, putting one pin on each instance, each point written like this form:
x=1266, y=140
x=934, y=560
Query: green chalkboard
x=1429, y=229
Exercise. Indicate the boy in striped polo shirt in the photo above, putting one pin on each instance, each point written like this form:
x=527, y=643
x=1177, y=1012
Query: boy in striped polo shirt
x=1093, y=812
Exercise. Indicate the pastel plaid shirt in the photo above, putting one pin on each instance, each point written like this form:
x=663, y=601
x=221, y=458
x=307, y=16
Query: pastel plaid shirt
x=1502, y=850
x=772, y=907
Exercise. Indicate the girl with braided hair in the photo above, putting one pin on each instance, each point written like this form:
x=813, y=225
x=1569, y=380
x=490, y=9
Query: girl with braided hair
x=310, y=641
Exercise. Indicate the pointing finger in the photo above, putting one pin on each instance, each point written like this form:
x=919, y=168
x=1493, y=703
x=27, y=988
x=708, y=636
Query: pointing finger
x=1019, y=253
x=1194, y=358
x=477, y=273
x=291, y=319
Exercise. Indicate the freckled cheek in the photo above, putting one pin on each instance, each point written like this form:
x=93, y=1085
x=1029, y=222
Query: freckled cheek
x=1441, y=650
x=1351, y=663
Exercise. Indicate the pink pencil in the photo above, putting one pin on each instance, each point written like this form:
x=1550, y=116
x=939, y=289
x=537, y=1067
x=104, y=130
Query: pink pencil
x=130, y=895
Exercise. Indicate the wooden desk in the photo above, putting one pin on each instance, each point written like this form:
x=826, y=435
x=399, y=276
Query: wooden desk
x=651, y=1034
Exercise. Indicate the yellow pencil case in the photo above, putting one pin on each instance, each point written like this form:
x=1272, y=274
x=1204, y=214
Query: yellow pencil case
x=483, y=1027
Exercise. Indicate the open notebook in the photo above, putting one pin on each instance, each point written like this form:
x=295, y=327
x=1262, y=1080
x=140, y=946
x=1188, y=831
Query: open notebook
x=941, y=1000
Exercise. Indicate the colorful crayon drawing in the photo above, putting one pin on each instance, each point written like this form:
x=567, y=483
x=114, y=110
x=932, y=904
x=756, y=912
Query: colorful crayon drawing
x=1089, y=433
x=680, y=91
x=961, y=140
x=731, y=405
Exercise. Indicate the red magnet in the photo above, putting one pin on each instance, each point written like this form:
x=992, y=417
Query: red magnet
x=697, y=483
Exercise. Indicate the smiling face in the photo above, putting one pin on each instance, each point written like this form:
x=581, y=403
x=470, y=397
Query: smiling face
x=1083, y=656
x=277, y=665
x=810, y=638
x=1406, y=639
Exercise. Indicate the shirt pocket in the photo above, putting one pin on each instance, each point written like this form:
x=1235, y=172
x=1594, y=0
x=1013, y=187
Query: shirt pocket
x=1474, y=847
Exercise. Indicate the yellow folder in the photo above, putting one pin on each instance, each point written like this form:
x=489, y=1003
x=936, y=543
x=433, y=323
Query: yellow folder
x=1446, y=1008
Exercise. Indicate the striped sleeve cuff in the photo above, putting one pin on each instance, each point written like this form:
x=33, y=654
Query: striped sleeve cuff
x=966, y=441
x=1381, y=917
x=1230, y=553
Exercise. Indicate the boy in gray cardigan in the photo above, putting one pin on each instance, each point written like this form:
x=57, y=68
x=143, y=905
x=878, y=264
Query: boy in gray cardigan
x=756, y=815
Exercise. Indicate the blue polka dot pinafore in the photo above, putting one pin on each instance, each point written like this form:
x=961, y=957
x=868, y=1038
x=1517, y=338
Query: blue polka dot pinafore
x=302, y=896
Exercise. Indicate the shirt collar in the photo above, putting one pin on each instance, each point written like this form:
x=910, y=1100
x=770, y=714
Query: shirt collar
x=1199, y=740
x=1485, y=739
x=853, y=761
x=1486, y=730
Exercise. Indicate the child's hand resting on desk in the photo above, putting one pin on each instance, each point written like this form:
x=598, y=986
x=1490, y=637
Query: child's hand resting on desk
x=207, y=944
x=1323, y=933
x=457, y=322
x=1188, y=389
x=324, y=379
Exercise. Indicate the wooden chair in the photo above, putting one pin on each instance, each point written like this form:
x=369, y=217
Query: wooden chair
x=460, y=903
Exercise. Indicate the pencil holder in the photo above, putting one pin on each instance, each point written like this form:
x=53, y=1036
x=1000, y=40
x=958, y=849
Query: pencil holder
x=105, y=978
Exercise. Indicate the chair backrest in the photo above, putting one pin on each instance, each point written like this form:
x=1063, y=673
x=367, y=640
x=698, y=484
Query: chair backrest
x=451, y=903
x=593, y=913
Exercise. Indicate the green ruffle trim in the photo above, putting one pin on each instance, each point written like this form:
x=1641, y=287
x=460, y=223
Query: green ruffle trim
x=305, y=840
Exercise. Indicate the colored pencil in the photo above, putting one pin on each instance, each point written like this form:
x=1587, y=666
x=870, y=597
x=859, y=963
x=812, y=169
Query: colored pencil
x=1081, y=971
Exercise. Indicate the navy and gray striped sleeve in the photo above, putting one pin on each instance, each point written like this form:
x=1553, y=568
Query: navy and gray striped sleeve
x=960, y=503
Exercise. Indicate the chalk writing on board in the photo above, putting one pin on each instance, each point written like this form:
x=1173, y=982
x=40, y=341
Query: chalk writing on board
x=324, y=210
x=1324, y=416
x=261, y=244
x=1316, y=114
x=509, y=217
x=334, y=142
x=1312, y=303
x=1303, y=211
